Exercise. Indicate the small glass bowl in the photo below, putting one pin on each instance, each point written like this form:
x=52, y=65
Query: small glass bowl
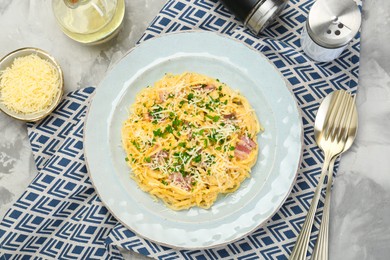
x=7, y=61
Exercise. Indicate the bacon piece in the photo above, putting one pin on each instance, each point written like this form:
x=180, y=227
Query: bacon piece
x=158, y=157
x=248, y=142
x=243, y=147
x=209, y=88
x=148, y=117
x=230, y=116
x=183, y=182
x=161, y=154
x=206, y=88
x=240, y=155
x=162, y=95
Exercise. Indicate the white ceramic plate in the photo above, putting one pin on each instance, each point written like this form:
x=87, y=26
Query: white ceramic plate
x=232, y=216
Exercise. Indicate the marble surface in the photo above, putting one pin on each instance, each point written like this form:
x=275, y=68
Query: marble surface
x=360, y=222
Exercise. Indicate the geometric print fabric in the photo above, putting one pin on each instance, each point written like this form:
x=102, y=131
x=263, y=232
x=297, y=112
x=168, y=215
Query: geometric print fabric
x=309, y=82
x=60, y=215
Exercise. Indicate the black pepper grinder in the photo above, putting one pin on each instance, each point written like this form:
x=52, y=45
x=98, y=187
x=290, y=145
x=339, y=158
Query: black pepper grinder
x=256, y=14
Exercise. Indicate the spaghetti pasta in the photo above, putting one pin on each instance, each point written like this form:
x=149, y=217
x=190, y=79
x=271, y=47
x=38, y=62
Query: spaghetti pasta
x=190, y=138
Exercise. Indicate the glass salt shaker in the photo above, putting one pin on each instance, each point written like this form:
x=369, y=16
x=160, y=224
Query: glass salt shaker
x=330, y=26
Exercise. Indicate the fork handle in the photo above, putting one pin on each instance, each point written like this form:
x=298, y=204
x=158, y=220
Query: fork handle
x=321, y=248
x=300, y=249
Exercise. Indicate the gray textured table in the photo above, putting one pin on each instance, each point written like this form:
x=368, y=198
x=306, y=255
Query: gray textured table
x=360, y=222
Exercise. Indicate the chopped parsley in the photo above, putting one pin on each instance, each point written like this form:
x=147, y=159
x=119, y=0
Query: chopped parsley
x=136, y=145
x=212, y=137
x=205, y=143
x=176, y=123
x=155, y=112
x=199, y=133
x=168, y=129
x=198, y=158
x=208, y=106
x=213, y=118
x=158, y=133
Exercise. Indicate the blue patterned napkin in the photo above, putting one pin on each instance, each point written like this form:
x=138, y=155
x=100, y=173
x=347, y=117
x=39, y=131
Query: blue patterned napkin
x=60, y=215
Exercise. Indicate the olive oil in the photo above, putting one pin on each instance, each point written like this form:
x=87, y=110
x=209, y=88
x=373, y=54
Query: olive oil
x=89, y=21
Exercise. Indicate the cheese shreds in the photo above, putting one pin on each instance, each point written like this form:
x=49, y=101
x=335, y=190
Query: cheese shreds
x=189, y=138
x=29, y=85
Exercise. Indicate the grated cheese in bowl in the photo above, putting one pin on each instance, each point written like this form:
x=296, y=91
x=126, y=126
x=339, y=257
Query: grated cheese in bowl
x=30, y=84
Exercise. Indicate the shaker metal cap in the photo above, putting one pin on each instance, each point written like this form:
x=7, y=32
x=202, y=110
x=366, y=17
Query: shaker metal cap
x=264, y=13
x=333, y=23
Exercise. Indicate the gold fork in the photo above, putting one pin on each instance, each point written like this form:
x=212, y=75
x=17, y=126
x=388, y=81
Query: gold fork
x=330, y=121
x=348, y=134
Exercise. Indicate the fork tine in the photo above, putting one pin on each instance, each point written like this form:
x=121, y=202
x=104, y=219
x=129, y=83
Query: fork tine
x=334, y=105
x=340, y=120
x=335, y=114
x=348, y=119
x=331, y=105
x=344, y=121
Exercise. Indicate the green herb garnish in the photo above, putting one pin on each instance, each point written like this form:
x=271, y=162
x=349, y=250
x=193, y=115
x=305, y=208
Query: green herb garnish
x=214, y=118
x=136, y=145
x=176, y=123
x=198, y=158
x=168, y=129
x=158, y=133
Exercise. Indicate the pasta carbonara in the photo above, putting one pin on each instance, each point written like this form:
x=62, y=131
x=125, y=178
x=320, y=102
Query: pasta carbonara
x=190, y=138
